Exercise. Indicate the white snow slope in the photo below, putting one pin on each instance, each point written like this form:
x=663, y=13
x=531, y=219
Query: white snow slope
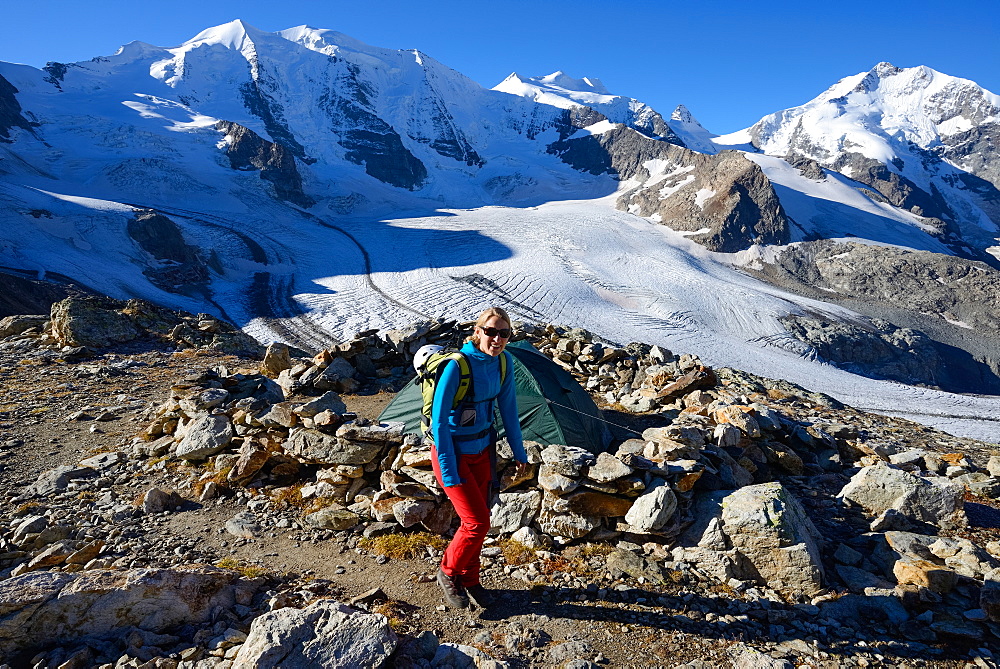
x=555, y=250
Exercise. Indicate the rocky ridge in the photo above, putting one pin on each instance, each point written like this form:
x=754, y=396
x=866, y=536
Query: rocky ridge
x=911, y=297
x=871, y=554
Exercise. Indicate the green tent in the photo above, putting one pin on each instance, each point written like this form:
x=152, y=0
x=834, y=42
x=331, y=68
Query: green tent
x=553, y=407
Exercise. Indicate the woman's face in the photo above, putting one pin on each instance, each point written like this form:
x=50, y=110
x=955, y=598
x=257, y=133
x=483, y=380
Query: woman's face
x=493, y=345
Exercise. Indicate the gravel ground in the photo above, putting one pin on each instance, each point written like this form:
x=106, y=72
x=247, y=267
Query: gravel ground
x=622, y=622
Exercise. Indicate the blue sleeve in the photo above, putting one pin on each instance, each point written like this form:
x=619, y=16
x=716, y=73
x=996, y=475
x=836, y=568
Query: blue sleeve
x=444, y=396
x=507, y=403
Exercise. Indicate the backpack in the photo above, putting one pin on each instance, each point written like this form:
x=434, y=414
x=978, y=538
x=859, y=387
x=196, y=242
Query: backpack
x=429, y=361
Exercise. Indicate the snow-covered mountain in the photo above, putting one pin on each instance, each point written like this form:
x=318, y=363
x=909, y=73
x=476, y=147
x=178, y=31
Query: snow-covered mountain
x=561, y=90
x=918, y=139
x=306, y=185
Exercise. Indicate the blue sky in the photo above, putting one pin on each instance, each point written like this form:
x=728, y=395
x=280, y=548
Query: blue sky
x=730, y=62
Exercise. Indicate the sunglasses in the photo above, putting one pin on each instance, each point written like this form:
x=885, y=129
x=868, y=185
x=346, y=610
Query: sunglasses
x=493, y=332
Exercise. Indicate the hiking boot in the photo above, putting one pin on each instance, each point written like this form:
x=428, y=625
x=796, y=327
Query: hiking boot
x=454, y=593
x=482, y=597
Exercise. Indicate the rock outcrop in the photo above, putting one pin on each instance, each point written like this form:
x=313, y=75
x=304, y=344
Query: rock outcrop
x=724, y=200
x=179, y=264
x=249, y=151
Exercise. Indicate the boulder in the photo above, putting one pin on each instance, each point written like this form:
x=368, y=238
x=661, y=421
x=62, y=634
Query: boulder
x=333, y=517
x=158, y=501
x=43, y=608
x=205, y=437
x=653, y=509
x=880, y=487
x=514, y=510
x=276, y=360
x=768, y=526
x=91, y=321
x=15, y=325
x=326, y=402
x=607, y=469
x=56, y=480
x=324, y=634
x=313, y=446
x=339, y=375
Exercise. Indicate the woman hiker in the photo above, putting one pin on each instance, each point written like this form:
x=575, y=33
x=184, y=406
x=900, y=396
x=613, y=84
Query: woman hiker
x=465, y=443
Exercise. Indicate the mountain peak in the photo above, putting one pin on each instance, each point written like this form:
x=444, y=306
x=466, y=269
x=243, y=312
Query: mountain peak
x=563, y=80
x=234, y=35
x=682, y=114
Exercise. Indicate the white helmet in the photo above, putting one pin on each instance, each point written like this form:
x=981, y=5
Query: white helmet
x=424, y=352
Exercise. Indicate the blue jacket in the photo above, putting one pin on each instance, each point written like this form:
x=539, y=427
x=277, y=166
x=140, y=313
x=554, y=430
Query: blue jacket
x=485, y=386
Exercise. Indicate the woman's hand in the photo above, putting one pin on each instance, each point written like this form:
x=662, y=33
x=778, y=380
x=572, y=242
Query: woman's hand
x=521, y=469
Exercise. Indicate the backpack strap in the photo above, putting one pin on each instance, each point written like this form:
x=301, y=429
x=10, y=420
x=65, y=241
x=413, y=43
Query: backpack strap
x=465, y=386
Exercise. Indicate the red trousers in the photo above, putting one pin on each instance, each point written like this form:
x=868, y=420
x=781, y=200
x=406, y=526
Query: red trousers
x=461, y=558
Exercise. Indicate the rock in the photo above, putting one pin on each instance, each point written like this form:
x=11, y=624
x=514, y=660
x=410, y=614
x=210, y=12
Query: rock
x=569, y=650
x=989, y=596
x=30, y=525
x=103, y=461
x=570, y=461
x=636, y=566
x=409, y=512
x=889, y=520
x=317, y=447
x=880, y=487
x=339, y=375
x=557, y=520
x=514, y=510
x=457, y=656
x=54, y=555
x=862, y=611
x=252, y=457
x=324, y=634
x=205, y=437
x=607, y=469
x=56, y=480
x=747, y=657
x=857, y=580
x=768, y=526
x=90, y=321
x=276, y=360
x=58, y=608
x=326, y=402
x=15, y=325
x=550, y=479
x=388, y=433
x=653, y=509
x=333, y=517
x=924, y=573
x=244, y=525
x=279, y=415
x=86, y=553
x=158, y=501
x=739, y=416
x=203, y=401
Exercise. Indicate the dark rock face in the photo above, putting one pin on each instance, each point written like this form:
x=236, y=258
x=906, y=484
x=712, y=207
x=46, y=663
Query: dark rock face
x=161, y=238
x=952, y=299
x=269, y=111
x=725, y=198
x=808, y=167
x=10, y=111
x=897, y=189
x=445, y=137
x=249, y=151
x=368, y=139
x=876, y=348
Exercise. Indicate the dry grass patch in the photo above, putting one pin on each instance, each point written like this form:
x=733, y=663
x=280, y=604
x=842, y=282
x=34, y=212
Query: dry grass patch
x=247, y=570
x=514, y=552
x=403, y=546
